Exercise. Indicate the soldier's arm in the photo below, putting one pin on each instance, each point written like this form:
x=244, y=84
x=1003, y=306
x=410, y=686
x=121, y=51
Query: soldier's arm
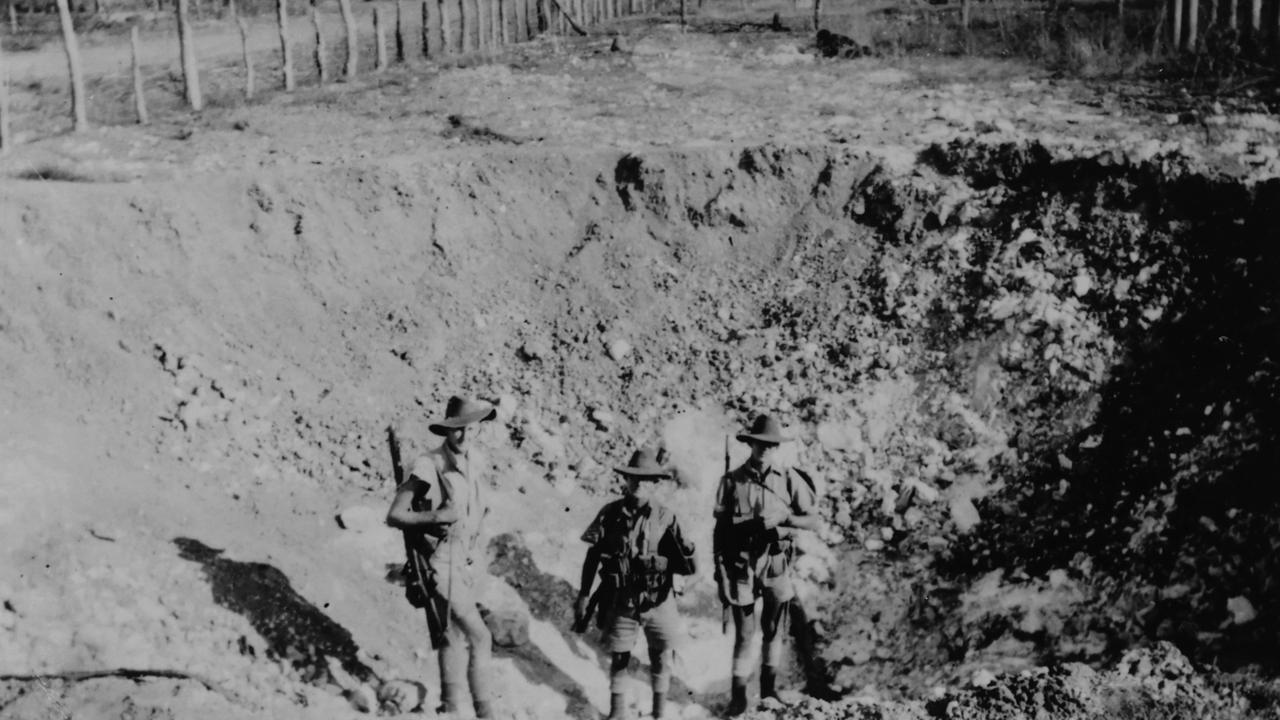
x=402, y=516
x=803, y=515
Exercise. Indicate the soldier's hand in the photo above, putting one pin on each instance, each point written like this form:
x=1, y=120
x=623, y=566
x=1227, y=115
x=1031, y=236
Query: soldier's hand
x=579, y=609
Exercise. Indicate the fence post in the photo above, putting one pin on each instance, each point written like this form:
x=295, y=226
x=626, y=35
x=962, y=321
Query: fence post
x=442, y=15
x=351, y=67
x=321, y=68
x=6, y=139
x=426, y=30
x=286, y=51
x=379, y=40
x=78, y=112
x=243, y=26
x=190, y=70
x=399, y=31
x=139, y=97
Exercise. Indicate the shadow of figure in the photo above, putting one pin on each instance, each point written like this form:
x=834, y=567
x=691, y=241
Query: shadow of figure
x=294, y=629
x=550, y=599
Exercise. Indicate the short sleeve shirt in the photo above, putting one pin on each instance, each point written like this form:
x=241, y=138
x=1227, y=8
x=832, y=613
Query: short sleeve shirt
x=747, y=492
x=440, y=479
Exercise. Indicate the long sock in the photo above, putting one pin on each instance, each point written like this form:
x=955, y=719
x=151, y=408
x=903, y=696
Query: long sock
x=738, y=696
x=768, y=682
x=618, y=706
x=659, y=704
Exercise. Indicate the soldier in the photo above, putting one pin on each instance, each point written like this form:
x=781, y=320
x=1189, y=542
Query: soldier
x=759, y=508
x=637, y=547
x=440, y=507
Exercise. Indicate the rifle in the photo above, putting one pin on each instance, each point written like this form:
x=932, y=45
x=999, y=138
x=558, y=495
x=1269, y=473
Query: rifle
x=721, y=573
x=421, y=596
x=580, y=626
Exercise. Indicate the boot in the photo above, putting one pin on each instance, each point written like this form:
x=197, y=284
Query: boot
x=738, y=697
x=483, y=710
x=618, y=709
x=768, y=682
x=659, y=705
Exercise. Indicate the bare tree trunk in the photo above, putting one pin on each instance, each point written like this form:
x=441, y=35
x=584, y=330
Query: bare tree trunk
x=442, y=15
x=399, y=31
x=1176, y=29
x=6, y=139
x=1229, y=9
x=286, y=50
x=379, y=40
x=352, y=65
x=683, y=20
x=190, y=70
x=1193, y=24
x=964, y=15
x=504, y=33
x=243, y=26
x=482, y=26
x=13, y=19
x=139, y=97
x=321, y=68
x=78, y=112
x=1255, y=15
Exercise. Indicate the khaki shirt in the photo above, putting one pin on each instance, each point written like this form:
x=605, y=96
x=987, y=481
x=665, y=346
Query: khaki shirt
x=442, y=479
x=746, y=493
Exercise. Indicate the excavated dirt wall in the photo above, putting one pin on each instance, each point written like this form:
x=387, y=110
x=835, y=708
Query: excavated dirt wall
x=1039, y=391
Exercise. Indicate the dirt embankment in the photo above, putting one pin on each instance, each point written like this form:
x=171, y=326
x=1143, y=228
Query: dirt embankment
x=1000, y=365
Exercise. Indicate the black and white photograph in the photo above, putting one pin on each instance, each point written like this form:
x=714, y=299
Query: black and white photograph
x=640, y=359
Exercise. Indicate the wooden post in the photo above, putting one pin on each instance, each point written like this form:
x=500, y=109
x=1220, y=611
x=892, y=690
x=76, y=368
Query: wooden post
x=1176, y=25
x=426, y=30
x=482, y=26
x=964, y=17
x=683, y=20
x=442, y=16
x=1231, y=11
x=139, y=97
x=351, y=67
x=379, y=40
x=187, y=49
x=286, y=51
x=504, y=22
x=243, y=26
x=6, y=139
x=78, y=112
x=320, y=45
x=496, y=20
x=13, y=19
x=1255, y=15
x=399, y=31
x=1193, y=24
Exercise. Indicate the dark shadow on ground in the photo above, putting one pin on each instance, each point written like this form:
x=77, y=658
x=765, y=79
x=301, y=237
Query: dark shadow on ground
x=294, y=629
x=1174, y=483
x=550, y=599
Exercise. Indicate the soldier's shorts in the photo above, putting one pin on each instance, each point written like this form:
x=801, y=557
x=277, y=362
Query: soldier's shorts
x=661, y=625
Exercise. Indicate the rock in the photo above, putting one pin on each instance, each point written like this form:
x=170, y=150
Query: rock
x=964, y=514
x=396, y=697
x=840, y=436
x=603, y=419
x=506, y=408
x=874, y=544
x=619, y=349
x=363, y=699
x=1241, y=610
x=982, y=678
x=361, y=518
